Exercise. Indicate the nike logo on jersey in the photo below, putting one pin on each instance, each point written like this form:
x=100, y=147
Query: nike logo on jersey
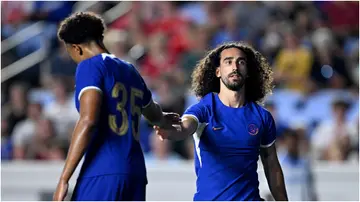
x=217, y=128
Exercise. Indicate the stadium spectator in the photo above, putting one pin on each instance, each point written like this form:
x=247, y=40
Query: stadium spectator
x=297, y=169
x=15, y=108
x=61, y=110
x=293, y=64
x=44, y=144
x=334, y=140
x=25, y=130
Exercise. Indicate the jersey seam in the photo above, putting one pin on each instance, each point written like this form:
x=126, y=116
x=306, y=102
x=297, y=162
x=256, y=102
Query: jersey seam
x=88, y=88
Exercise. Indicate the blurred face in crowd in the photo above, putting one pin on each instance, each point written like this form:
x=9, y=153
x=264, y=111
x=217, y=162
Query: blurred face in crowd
x=17, y=96
x=157, y=43
x=59, y=90
x=44, y=129
x=291, y=41
x=232, y=70
x=229, y=18
x=34, y=111
x=339, y=111
x=292, y=143
x=4, y=127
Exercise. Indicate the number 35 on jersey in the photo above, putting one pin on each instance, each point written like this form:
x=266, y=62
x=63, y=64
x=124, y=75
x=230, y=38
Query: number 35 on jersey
x=122, y=111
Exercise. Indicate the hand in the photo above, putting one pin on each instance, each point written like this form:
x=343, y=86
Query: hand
x=61, y=191
x=162, y=133
x=169, y=120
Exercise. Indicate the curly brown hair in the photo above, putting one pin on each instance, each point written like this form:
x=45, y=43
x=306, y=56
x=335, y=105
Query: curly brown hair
x=259, y=80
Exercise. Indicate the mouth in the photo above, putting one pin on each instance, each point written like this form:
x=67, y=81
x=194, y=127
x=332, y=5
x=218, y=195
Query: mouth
x=235, y=76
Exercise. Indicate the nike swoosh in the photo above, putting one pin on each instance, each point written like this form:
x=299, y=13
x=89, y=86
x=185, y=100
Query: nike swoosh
x=219, y=128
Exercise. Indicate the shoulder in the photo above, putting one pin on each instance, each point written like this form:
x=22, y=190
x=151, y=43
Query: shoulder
x=207, y=99
x=261, y=109
x=89, y=64
x=203, y=102
x=262, y=113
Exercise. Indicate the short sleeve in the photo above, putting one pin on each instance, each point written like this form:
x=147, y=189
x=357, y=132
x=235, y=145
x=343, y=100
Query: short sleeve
x=88, y=76
x=269, y=136
x=196, y=111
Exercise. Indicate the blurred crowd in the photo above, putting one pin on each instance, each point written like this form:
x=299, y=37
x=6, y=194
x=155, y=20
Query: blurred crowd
x=313, y=48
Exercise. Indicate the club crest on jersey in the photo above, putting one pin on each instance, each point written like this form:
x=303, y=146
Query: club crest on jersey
x=253, y=129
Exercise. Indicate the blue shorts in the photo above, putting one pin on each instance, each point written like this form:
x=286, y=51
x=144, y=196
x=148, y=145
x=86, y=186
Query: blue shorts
x=109, y=188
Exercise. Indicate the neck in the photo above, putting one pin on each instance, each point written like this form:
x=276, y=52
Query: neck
x=94, y=50
x=231, y=98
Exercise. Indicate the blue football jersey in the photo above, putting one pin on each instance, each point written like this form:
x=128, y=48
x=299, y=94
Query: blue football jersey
x=114, y=148
x=227, y=144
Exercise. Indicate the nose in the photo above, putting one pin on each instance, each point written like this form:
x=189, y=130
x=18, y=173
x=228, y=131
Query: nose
x=234, y=67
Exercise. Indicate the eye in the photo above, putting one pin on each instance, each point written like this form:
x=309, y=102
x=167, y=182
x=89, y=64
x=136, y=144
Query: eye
x=228, y=62
x=242, y=62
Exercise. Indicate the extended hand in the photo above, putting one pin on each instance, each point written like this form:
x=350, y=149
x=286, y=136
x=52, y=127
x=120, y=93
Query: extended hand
x=169, y=120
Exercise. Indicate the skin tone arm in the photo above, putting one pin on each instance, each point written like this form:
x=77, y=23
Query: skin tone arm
x=154, y=114
x=273, y=172
x=89, y=111
x=188, y=127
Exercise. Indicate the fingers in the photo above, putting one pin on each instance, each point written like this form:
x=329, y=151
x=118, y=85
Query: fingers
x=159, y=133
x=172, y=116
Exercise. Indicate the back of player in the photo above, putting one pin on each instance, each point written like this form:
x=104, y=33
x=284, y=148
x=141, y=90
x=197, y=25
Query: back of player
x=114, y=166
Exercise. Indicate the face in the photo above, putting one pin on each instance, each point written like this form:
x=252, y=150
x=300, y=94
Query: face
x=34, y=111
x=59, y=90
x=75, y=52
x=44, y=129
x=233, y=68
x=292, y=144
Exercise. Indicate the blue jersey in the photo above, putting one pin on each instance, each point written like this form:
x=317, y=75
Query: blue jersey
x=227, y=144
x=114, y=148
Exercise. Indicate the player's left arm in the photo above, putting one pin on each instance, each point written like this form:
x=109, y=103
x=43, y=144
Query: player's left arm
x=273, y=173
x=270, y=161
x=88, y=88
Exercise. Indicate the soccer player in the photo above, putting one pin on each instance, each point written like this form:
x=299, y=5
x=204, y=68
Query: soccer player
x=110, y=96
x=229, y=127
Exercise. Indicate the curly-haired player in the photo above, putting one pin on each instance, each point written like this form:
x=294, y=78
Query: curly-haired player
x=110, y=96
x=229, y=127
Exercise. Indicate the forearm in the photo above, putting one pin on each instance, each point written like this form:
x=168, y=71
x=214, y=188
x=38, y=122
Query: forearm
x=184, y=131
x=275, y=179
x=79, y=142
x=153, y=113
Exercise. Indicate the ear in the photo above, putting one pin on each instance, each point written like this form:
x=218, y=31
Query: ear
x=77, y=49
x=217, y=72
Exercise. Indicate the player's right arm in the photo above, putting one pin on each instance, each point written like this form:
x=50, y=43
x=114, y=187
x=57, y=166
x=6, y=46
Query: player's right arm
x=188, y=126
x=190, y=122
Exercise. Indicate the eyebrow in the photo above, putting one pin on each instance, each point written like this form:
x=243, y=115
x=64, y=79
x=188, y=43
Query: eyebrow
x=230, y=58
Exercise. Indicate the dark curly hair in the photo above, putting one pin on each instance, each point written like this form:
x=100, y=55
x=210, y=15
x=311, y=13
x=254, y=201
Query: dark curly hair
x=258, y=83
x=82, y=27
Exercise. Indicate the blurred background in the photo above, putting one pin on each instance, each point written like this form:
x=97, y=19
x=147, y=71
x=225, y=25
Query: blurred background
x=313, y=48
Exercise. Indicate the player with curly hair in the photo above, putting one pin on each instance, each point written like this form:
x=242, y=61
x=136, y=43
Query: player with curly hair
x=110, y=96
x=230, y=127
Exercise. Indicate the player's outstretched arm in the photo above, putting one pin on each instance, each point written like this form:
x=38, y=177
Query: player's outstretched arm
x=188, y=127
x=90, y=103
x=273, y=172
x=154, y=114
